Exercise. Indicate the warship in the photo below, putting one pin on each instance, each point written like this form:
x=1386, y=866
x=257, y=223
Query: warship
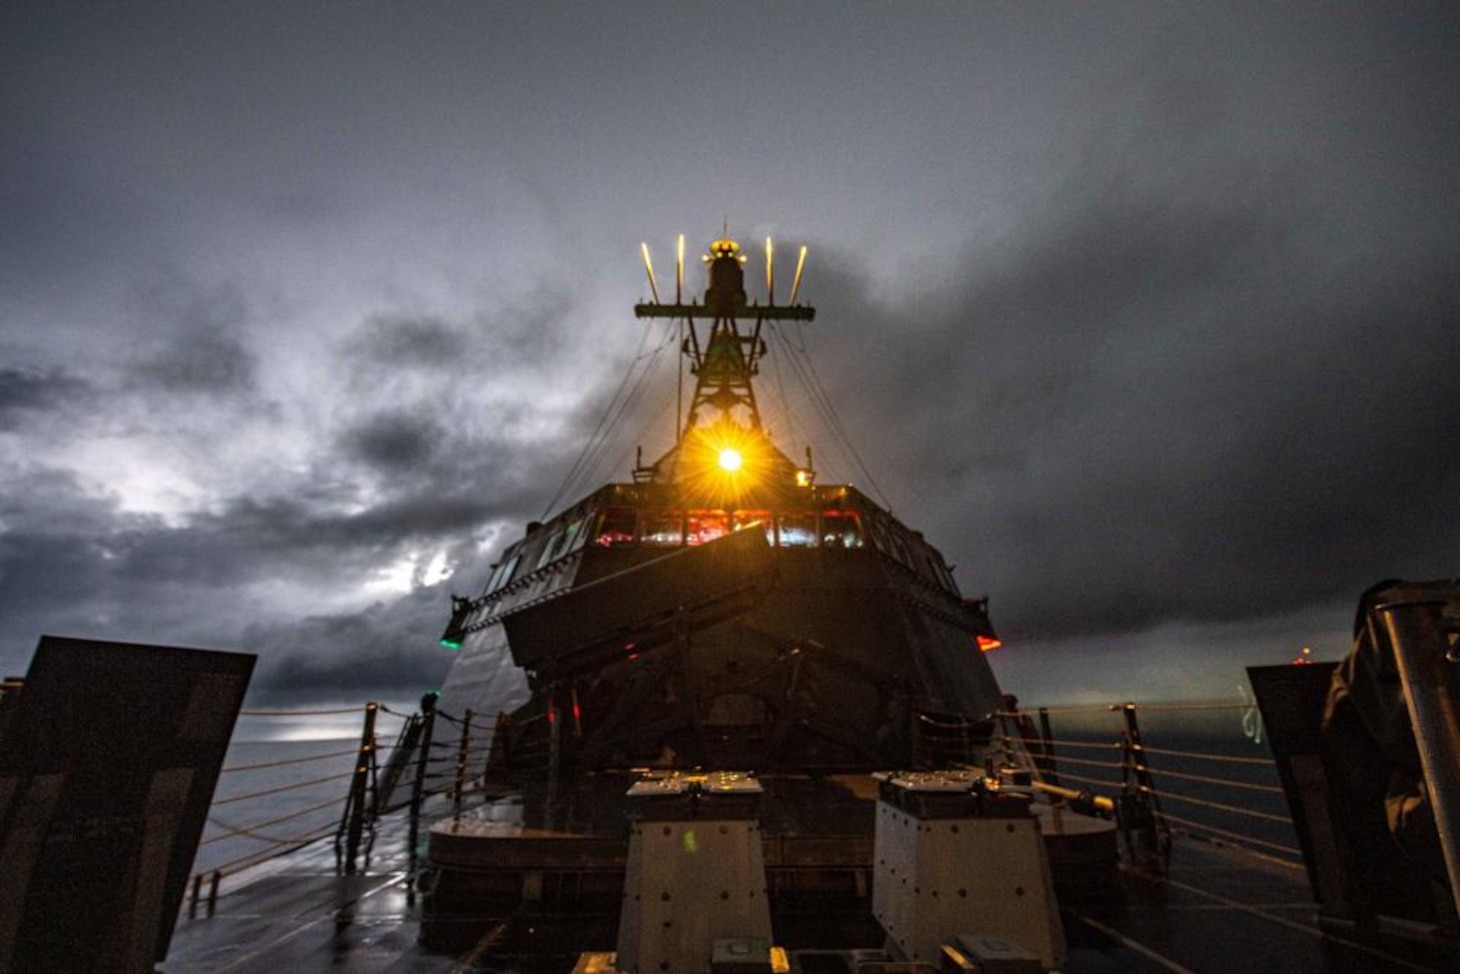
x=724, y=611
x=724, y=717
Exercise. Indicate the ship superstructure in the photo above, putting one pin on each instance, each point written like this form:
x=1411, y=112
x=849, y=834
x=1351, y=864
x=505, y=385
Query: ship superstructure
x=723, y=608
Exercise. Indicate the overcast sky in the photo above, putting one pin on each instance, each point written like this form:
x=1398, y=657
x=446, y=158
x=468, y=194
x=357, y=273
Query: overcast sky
x=1148, y=315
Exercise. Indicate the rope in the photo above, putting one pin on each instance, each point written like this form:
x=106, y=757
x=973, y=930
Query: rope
x=276, y=764
x=248, y=831
x=1109, y=745
x=1159, y=707
x=805, y=369
x=1090, y=781
x=1103, y=708
x=612, y=416
x=394, y=713
x=1230, y=835
x=281, y=788
x=1204, y=756
x=253, y=858
x=1285, y=820
x=1270, y=789
x=298, y=713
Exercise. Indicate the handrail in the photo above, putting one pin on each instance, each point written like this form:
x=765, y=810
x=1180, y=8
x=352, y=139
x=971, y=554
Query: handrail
x=1205, y=803
x=1205, y=756
x=1235, y=836
x=232, y=832
x=282, y=788
x=280, y=763
x=1204, y=779
x=1139, y=766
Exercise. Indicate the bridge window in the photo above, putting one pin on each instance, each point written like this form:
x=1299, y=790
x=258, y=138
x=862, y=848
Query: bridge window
x=503, y=574
x=549, y=549
x=797, y=530
x=706, y=526
x=574, y=537
x=841, y=529
x=615, y=527
x=663, y=528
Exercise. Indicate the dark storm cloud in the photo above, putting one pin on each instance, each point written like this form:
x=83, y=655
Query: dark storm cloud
x=289, y=302
x=355, y=655
x=1189, y=406
x=393, y=441
x=200, y=339
x=27, y=394
x=400, y=341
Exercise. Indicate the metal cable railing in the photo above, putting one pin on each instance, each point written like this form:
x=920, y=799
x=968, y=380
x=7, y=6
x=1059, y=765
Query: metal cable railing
x=1224, y=790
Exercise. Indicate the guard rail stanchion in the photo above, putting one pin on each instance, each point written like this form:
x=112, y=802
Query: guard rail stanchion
x=1046, y=744
x=1147, y=835
x=461, y=754
x=354, y=819
x=418, y=787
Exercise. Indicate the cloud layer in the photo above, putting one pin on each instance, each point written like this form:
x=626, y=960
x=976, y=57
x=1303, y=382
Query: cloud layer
x=1149, y=319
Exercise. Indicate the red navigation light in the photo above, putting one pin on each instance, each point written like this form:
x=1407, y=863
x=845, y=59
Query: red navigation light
x=987, y=643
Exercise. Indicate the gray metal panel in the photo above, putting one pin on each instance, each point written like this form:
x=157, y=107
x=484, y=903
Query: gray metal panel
x=106, y=773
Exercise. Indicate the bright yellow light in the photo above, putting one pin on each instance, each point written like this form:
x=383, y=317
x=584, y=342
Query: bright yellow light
x=730, y=460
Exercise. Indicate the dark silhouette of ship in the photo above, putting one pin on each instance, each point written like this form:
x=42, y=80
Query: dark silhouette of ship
x=724, y=608
x=721, y=610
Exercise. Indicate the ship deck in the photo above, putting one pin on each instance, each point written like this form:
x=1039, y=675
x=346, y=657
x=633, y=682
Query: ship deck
x=1213, y=909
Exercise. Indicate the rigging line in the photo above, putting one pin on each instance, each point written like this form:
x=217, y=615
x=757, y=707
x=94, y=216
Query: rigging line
x=630, y=402
x=592, y=462
x=654, y=415
x=781, y=386
x=802, y=364
x=602, y=419
x=799, y=359
x=836, y=419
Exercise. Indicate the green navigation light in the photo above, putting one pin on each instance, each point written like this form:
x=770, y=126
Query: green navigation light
x=452, y=644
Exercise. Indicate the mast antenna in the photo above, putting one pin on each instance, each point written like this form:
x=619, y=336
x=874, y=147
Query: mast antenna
x=649, y=268
x=770, y=273
x=796, y=284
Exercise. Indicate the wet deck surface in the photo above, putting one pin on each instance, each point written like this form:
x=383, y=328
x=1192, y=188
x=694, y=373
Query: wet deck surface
x=1214, y=910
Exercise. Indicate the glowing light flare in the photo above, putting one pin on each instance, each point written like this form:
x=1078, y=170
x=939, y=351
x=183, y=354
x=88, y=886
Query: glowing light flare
x=988, y=643
x=770, y=272
x=679, y=271
x=730, y=459
x=796, y=282
x=451, y=644
x=649, y=269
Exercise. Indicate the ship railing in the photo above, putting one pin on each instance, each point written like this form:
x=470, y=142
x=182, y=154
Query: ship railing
x=267, y=808
x=1196, y=770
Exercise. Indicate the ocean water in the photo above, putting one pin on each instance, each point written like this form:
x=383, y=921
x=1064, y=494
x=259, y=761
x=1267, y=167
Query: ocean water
x=1210, y=763
x=273, y=794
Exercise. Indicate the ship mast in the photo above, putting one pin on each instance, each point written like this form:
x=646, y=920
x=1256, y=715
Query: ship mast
x=724, y=355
